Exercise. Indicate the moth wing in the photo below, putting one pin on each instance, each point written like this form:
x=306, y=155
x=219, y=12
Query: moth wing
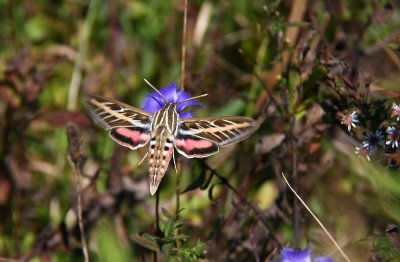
x=127, y=125
x=202, y=137
x=131, y=137
x=192, y=146
x=109, y=113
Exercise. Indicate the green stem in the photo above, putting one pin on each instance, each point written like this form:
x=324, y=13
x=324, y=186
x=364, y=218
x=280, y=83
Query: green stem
x=183, y=65
x=76, y=78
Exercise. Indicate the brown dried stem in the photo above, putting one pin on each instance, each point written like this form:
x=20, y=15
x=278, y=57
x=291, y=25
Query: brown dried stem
x=74, y=154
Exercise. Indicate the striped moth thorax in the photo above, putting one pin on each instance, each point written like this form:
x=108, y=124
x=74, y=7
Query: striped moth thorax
x=164, y=124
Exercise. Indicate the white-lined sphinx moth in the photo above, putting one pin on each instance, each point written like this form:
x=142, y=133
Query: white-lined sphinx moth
x=165, y=129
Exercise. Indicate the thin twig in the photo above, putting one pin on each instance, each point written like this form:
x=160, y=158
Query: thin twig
x=318, y=221
x=81, y=56
x=80, y=217
x=184, y=42
x=74, y=154
x=252, y=206
x=178, y=187
x=296, y=207
x=182, y=85
x=158, y=230
x=157, y=211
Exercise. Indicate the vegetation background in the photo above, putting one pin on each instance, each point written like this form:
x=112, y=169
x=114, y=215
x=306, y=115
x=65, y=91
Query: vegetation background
x=297, y=66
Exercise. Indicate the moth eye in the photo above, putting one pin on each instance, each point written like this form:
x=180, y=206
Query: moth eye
x=152, y=146
x=169, y=141
x=166, y=148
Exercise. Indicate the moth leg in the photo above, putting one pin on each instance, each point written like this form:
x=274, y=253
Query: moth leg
x=173, y=158
x=143, y=159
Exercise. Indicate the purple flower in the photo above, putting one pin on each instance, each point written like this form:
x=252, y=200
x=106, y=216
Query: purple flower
x=364, y=151
x=396, y=111
x=173, y=94
x=291, y=255
x=372, y=140
x=350, y=120
x=324, y=259
x=303, y=255
x=393, y=136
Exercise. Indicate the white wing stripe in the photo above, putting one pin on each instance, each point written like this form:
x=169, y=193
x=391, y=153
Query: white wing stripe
x=217, y=128
x=111, y=112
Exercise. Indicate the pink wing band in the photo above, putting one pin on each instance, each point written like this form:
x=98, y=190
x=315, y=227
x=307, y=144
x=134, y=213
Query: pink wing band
x=190, y=144
x=135, y=136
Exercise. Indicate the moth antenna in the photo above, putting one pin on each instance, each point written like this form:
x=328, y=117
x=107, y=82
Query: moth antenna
x=155, y=89
x=191, y=98
x=173, y=158
x=141, y=161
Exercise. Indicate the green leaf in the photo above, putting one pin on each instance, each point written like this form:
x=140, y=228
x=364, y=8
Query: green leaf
x=166, y=213
x=197, y=183
x=167, y=248
x=182, y=237
x=168, y=227
x=110, y=247
x=146, y=241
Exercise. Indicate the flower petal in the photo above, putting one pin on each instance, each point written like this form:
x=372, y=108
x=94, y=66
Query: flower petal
x=182, y=95
x=291, y=255
x=324, y=259
x=153, y=102
x=186, y=114
x=172, y=94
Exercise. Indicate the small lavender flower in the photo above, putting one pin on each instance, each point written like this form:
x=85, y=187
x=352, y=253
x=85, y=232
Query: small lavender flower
x=372, y=140
x=350, y=120
x=393, y=136
x=173, y=94
x=324, y=259
x=396, y=111
x=303, y=255
x=363, y=151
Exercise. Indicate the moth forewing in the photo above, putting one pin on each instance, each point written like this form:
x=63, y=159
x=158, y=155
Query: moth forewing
x=202, y=137
x=239, y=124
x=109, y=113
x=221, y=130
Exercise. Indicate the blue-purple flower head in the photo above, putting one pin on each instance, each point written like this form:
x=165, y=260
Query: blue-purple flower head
x=302, y=255
x=173, y=94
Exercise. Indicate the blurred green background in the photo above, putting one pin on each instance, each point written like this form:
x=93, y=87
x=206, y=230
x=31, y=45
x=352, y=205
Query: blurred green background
x=295, y=66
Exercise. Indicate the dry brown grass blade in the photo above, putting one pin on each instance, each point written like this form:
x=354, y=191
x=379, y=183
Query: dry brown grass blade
x=316, y=219
x=392, y=54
